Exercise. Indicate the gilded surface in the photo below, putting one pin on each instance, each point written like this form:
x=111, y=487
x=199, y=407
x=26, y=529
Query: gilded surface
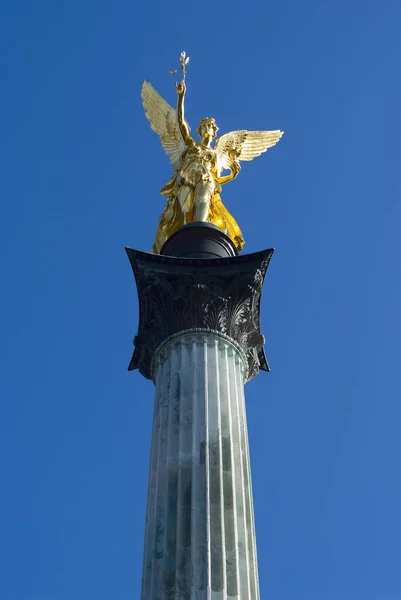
x=193, y=193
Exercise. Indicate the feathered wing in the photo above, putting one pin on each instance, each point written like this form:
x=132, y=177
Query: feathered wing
x=163, y=120
x=246, y=145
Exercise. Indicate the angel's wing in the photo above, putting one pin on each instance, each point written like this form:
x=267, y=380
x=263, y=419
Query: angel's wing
x=163, y=120
x=246, y=145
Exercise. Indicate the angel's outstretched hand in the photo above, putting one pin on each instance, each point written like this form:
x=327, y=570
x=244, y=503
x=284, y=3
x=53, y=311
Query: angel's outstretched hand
x=181, y=88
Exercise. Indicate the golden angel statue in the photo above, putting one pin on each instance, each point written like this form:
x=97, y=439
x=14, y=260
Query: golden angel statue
x=193, y=193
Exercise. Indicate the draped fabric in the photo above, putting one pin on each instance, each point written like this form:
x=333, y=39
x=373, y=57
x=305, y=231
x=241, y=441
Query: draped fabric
x=172, y=218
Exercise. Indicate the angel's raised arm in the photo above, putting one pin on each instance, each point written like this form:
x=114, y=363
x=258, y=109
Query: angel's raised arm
x=182, y=124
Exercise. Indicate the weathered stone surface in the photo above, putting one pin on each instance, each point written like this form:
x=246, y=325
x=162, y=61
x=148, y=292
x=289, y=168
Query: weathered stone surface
x=200, y=534
x=220, y=295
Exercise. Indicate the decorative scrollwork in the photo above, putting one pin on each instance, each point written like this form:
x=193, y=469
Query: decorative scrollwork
x=219, y=296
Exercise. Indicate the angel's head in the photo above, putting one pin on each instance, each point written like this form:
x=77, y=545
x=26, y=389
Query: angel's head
x=207, y=128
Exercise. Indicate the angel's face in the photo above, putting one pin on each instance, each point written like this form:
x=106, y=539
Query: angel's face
x=207, y=129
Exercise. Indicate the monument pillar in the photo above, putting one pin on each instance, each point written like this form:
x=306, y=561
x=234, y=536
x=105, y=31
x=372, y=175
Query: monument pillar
x=199, y=340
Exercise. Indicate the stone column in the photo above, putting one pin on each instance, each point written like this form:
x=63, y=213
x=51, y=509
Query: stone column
x=200, y=535
x=199, y=340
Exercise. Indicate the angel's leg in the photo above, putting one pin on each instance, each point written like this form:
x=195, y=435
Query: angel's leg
x=203, y=194
x=186, y=199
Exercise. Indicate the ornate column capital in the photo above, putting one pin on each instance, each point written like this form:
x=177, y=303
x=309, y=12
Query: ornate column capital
x=180, y=294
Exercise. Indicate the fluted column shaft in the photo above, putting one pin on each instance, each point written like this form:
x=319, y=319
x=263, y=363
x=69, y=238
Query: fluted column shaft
x=200, y=534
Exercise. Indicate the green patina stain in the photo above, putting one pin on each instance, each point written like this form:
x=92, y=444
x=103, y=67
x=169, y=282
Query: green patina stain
x=226, y=453
x=177, y=386
x=202, y=453
x=170, y=560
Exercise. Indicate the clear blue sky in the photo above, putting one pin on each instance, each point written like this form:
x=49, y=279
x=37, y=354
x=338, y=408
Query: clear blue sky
x=80, y=178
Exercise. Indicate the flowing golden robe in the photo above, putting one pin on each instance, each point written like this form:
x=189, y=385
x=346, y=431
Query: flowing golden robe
x=197, y=167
